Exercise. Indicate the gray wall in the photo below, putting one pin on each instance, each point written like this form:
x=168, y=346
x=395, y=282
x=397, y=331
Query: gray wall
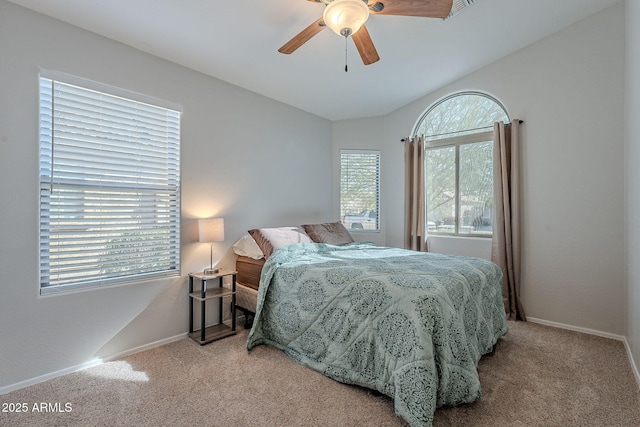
x=632, y=190
x=239, y=152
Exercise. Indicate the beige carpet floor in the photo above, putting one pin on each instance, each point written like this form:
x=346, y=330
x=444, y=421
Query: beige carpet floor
x=538, y=376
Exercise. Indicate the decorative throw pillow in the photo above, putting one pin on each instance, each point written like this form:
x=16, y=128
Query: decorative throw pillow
x=270, y=239
x=248, y=247
x=333, y=233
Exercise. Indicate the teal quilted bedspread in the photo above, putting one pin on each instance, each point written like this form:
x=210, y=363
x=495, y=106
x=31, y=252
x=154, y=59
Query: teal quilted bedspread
x=411, y=325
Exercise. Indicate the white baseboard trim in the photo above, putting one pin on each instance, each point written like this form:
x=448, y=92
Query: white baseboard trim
x=89, y=364
x=577, y=329
x=634, y=367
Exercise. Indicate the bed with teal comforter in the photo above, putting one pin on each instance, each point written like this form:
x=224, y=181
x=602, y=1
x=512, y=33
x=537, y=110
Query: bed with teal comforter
x=411, y=325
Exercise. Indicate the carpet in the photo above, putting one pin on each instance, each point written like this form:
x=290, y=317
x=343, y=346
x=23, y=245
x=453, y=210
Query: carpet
x=538, y=376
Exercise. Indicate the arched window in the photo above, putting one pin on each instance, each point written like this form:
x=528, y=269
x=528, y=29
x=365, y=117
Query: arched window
x=458, y=135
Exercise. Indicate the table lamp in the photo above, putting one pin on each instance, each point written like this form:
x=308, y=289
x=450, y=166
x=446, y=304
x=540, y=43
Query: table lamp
x=211, y=230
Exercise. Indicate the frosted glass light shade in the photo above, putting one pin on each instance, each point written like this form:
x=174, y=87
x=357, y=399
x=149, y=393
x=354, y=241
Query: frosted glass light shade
x=345, y=17
x=211, y=230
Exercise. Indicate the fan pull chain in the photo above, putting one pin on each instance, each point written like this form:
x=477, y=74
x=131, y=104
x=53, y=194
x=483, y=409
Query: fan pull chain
x=346, y=56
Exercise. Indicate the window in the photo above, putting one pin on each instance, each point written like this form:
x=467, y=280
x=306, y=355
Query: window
x=360, y=189
x=109, y=185
x=458, y=133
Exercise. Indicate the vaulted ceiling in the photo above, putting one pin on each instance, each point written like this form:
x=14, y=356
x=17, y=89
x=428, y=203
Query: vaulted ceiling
x=238, y=40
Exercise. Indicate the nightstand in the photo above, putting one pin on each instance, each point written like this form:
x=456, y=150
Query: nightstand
x=207, y=334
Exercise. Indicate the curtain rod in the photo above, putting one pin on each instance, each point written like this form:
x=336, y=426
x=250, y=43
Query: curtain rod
x=449, y=133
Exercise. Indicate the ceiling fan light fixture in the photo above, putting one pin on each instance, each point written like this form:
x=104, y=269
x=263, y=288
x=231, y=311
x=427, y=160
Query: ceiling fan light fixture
x=345, y=17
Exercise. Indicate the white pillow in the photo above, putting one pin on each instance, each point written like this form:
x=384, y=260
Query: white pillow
x=248, y=247
x=270, y=239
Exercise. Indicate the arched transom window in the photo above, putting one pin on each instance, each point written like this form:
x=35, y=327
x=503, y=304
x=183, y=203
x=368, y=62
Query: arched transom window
x=458, y=134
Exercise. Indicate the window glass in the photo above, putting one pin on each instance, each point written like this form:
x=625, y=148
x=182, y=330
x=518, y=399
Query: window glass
x=440, y=174
x=461, y=114
x=476, y=188
x=109, y=188
x=360, y=190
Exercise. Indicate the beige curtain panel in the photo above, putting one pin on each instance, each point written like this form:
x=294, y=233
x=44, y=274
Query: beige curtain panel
x=415, y=236
x=505, y=247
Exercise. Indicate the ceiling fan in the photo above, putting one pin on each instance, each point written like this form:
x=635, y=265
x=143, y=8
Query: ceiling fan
x=347, y=18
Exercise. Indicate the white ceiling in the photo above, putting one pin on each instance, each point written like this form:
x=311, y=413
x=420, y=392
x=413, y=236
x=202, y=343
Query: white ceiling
x=237, y=41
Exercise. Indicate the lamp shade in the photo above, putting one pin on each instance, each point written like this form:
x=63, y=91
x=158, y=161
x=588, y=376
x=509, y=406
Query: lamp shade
x=211, y=230
x=345, y=17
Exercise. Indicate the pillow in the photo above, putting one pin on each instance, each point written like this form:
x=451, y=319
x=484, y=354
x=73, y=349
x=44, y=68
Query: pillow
x=248, y=247
x=270, y=239
x=333, y=233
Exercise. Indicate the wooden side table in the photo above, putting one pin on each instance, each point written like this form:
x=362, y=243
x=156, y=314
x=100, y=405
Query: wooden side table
x=207, y=334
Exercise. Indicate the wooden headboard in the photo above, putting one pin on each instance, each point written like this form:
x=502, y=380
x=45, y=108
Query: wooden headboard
x=249, y=271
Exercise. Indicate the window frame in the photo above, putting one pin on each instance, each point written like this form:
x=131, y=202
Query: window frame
x=456, y=142
x=172, y=214
x=378, y=155
x=483, y=134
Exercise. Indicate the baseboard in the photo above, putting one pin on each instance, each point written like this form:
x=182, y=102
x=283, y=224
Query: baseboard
x=577, y=329
x=634, y=367
x=89, y=364
x=26, y=383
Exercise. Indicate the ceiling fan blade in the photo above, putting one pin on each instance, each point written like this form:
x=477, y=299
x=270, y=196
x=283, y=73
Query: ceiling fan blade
x=302, y=37
x=365, y=46
x=424, y=8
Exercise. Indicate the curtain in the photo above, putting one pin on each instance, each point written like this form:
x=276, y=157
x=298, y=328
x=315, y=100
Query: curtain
x=415, y=236
x=505, y=245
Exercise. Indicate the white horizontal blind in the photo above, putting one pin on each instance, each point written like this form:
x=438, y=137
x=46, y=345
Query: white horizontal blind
x=360, y=189
x=109, y=188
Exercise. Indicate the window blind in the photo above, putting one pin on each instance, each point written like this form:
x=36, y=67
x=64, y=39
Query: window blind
x=360, y=189
x=109, y=188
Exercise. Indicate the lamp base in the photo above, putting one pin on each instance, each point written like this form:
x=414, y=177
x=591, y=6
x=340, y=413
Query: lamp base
x=211, y=270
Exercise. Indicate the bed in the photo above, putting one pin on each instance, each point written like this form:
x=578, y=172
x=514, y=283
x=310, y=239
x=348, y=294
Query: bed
x=408, y=324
